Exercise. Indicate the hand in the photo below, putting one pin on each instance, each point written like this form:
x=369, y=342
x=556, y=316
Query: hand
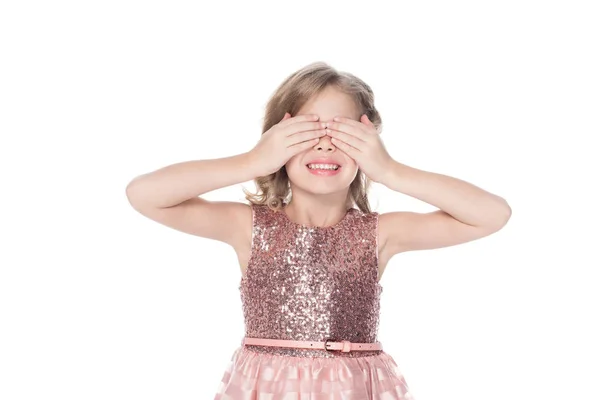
x=286, y=139
x=361, y=141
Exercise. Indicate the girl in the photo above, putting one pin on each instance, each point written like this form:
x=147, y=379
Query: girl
x=310, y=260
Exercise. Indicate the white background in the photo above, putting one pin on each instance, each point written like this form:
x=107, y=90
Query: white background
x=98, y=302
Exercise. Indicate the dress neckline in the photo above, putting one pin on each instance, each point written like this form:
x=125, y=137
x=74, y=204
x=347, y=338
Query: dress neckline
x=317, y=227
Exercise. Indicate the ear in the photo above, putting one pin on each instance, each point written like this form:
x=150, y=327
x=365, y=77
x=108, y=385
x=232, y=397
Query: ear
x=365, y=120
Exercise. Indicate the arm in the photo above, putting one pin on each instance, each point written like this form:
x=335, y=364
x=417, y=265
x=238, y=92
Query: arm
x=170, y=196
x=174, y=184
x=466, y=212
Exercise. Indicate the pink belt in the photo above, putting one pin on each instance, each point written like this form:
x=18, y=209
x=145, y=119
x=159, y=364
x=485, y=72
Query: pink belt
x=345, y=345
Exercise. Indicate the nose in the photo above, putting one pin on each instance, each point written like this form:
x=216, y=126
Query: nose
x=325, y=144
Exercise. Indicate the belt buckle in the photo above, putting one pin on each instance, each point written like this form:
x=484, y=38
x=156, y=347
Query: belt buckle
x=327, y=340
x=345, y=348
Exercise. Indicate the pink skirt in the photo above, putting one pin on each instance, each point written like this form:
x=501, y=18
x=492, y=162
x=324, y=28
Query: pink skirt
x=252, y=375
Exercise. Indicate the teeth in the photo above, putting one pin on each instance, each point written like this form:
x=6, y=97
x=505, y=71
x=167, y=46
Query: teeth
x=323, y=166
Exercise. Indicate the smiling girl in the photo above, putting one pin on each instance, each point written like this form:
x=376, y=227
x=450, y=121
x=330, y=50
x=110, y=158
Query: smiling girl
x=311, y=251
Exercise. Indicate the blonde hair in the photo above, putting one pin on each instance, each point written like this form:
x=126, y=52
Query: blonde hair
x=290, y=96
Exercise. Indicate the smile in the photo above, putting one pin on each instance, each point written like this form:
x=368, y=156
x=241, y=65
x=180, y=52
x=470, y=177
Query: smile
x=324, y=169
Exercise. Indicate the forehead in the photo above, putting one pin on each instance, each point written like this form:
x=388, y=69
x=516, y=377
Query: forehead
x=330, y=103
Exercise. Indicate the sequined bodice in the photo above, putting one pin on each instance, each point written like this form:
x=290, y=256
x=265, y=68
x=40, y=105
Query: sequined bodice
x=312, y=283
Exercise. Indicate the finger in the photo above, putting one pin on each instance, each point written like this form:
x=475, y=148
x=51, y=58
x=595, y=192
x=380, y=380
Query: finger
x=357, y=124
x=348, y=121
x=304, y=136
x=300, y=147
x=348, y=129
x=345, y=147
x=346, y=138
x=365, y=120
x=304, y=126
x=299, y=118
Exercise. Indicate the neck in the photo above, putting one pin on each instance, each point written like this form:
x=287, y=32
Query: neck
x=315, y=213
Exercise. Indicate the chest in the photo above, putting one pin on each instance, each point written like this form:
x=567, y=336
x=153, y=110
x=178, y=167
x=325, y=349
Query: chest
x=243, y=252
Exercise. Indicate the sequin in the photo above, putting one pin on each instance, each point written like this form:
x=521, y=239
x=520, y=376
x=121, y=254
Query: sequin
x=312, y=283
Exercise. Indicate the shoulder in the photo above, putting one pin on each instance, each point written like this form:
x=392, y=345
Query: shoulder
x=241, y=220
x=368, y=217
x=262, y=216
x=365, y=222
x=389, y=223
x=260, y=213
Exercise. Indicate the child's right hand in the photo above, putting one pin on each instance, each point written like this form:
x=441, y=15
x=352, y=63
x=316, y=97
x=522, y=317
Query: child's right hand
x=286, y=139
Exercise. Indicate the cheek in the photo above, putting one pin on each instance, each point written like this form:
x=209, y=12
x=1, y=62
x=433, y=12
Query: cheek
x=352, y=167
x=292, y=161
x=293, y=164
x=350, y=163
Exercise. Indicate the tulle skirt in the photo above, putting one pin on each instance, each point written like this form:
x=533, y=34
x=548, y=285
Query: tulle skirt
x=253, y=375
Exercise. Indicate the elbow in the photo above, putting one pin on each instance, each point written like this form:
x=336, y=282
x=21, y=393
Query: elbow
x=503, y=215
x=133, y=194
x=506, y=212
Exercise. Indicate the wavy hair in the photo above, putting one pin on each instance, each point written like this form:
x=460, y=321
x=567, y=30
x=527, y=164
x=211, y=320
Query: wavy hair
x=297, y=89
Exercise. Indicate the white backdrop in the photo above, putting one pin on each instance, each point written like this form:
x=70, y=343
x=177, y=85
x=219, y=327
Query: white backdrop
x=98, y=302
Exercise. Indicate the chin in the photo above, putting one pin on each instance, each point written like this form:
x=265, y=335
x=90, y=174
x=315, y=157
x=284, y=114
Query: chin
x=322, y=184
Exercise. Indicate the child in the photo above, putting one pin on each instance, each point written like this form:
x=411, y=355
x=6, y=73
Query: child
x=310, y=261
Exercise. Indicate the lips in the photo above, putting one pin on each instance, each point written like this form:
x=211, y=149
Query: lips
x=324, y=161
x=324, y=172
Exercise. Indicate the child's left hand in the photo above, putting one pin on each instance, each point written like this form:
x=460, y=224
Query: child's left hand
x=360, y=140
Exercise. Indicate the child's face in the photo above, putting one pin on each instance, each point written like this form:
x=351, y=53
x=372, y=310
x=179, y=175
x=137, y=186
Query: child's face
x=327, y=105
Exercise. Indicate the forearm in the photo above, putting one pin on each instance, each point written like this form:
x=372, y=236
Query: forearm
x=462, y=200
x=176, y=183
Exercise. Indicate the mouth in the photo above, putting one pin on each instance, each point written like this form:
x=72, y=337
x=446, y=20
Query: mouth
x=324, y=169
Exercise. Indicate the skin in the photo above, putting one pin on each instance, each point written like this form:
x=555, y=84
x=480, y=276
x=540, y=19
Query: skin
x=464, y=213
x=321, y=200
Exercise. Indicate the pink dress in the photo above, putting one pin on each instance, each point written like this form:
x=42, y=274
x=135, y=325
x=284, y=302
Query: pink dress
x=312, y=283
